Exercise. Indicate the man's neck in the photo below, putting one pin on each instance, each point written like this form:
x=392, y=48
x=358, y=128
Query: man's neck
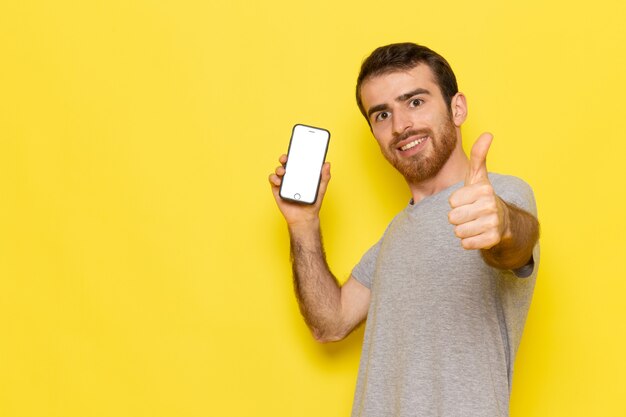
x=453, y=171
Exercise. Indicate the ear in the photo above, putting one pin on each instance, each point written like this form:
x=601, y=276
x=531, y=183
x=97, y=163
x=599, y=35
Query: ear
x=458, y=106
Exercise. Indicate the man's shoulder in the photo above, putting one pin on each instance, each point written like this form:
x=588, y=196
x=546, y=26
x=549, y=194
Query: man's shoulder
x=514, y=190
x=505, y=180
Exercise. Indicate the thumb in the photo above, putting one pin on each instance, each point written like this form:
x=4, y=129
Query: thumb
x=478, y=159
x=325, y=178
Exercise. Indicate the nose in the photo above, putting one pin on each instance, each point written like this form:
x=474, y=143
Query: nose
x=400, y=122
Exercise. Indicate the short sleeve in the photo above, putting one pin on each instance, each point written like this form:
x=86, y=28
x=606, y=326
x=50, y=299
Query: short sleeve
x=364, y=270
x=514, y=191
x=529, y=270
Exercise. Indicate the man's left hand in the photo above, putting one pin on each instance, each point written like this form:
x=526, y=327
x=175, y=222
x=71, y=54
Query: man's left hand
x=479, y=216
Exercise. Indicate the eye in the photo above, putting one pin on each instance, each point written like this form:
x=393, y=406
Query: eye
x=383, y=115
x=416, y=102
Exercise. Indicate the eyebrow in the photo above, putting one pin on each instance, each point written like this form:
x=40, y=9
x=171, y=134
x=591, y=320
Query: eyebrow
x=403, y=97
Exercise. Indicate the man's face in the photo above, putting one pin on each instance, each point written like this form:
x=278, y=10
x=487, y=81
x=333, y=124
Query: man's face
x=411, y=121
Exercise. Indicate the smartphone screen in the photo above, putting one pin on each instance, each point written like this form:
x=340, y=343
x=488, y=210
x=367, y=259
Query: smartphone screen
x=307, y=151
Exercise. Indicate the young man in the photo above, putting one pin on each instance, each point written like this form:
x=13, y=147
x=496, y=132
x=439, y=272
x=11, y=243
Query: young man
x=447, y=288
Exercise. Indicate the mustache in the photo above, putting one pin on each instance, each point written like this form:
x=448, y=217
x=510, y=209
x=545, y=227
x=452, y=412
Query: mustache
x=407, y=134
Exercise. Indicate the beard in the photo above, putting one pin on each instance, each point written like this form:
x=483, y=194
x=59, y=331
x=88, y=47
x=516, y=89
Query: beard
x=420, y=166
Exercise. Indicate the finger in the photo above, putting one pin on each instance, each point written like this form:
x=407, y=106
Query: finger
x=275, y=180
x=282, y=159
x=325, y=178
x=462, y=214
x=470, y=194
x=280, y=171
x=482, y=241
x=473, y=227
x=326, y=172
x=482, y=209
x=478, y=159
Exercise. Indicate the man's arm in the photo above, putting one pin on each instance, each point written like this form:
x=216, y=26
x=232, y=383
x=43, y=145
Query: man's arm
x=521, y=232
x=331, y=311
x=505, y=234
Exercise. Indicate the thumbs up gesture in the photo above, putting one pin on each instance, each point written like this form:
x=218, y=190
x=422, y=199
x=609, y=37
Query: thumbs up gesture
x=479, y=216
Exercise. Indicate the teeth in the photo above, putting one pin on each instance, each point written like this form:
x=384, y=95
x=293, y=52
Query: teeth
x=412, y=144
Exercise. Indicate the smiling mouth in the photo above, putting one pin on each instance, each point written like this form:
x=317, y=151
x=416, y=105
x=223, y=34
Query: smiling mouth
x=413, y=143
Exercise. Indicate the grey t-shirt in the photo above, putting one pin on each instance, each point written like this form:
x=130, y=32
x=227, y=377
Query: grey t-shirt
x=443, y=327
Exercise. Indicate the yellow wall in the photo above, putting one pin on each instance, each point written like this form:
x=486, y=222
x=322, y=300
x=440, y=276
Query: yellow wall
x=143, y=264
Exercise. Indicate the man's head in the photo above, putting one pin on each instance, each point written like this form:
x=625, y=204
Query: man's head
x=409, y=96
x=403, y=57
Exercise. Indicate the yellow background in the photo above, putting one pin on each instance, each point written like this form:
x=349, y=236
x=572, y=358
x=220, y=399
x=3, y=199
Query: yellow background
x=143, y=264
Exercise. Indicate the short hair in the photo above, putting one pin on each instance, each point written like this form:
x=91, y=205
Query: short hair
x=403, y=57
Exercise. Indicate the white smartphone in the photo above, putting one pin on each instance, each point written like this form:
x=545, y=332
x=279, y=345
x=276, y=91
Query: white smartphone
x=306, y=155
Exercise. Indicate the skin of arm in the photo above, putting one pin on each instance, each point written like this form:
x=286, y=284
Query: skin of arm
x=331, y=311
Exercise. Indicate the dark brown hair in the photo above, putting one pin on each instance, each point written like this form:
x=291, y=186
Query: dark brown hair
x=404, y=57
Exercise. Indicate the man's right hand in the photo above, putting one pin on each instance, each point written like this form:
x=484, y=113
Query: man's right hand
x=296, y=213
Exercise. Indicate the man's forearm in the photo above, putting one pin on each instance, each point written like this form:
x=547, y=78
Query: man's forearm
x=515, y=249
x=317, y=290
